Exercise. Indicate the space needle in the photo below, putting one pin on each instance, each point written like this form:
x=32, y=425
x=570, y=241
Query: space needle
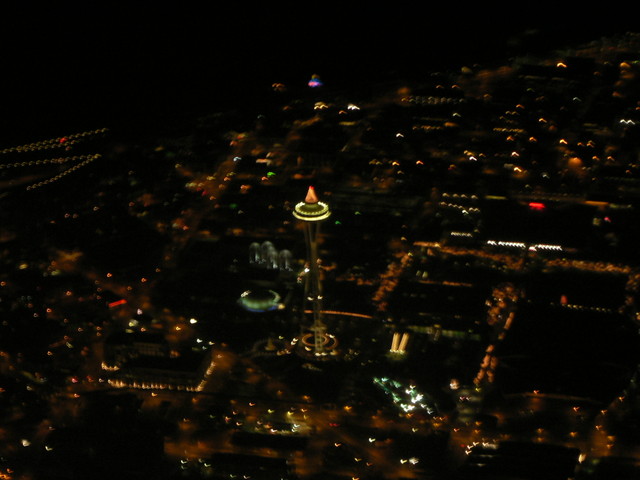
x=312, y=212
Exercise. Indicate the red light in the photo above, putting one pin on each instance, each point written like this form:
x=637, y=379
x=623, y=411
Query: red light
x=117, y=303
x=537, y=206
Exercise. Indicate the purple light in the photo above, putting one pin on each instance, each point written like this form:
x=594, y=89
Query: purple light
x=315, y=81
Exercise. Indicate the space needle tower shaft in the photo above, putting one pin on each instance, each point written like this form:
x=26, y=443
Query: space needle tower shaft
x=312, y=212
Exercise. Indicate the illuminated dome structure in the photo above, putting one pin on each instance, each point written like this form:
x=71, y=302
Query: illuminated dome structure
x=317, y=343
x=315, y=81
x=265, y=255
x=260, y=300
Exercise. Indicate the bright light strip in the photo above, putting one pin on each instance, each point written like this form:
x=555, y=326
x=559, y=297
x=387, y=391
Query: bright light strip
x=316, y=216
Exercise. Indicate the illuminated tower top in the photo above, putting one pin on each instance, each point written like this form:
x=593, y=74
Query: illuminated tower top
x=311, y=210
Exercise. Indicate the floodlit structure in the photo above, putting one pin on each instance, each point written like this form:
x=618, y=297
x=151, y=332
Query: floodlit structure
x=399, y=343
x=312, y=212
x=261, y=300
x=266, y=256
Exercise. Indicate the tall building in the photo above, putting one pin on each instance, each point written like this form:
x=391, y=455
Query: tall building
x=312, y=212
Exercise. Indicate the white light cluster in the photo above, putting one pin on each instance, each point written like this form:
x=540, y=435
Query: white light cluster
x=538, y=246
x=501, y=243
x=407, y=399
x=543, y=246
x=430, y=100
x=150, y=385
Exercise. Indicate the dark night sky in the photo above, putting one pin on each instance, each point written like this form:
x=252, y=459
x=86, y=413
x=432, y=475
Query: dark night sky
x=95, y=67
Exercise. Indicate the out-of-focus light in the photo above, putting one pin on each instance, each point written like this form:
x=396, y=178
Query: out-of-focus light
x=315, y=81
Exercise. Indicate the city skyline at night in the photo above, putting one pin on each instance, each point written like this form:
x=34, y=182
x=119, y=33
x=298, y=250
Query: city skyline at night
x=170, y=309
